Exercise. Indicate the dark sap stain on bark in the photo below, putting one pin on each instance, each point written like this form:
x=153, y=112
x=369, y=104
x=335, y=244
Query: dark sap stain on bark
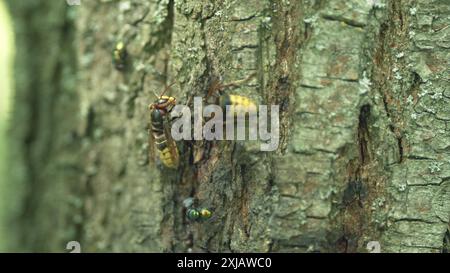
x=363, y=134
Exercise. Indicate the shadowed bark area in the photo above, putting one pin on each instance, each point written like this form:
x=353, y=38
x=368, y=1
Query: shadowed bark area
x=44, y=167
x=364, y=119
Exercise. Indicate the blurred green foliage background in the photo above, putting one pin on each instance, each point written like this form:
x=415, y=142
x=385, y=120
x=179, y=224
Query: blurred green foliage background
x=6, y=66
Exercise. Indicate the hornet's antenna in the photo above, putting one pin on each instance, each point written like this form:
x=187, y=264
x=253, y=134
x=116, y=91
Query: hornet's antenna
x=167, y=88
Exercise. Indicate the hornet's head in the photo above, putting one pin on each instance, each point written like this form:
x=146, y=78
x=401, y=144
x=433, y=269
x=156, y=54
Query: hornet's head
x=164, y=103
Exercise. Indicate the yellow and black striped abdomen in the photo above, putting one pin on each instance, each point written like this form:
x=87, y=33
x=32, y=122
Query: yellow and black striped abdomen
x=167, y=149
x=120, y=56
x=167, y=158
x=245, y=104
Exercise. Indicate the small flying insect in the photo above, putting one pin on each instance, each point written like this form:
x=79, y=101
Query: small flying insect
x=198, y=215
x=195, y=214
x=120, y=55
x=159, y=131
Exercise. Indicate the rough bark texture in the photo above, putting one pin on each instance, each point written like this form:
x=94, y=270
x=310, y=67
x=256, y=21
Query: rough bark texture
x=363, y=88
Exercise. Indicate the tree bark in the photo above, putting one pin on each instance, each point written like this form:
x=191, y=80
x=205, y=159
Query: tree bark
x=364, y=102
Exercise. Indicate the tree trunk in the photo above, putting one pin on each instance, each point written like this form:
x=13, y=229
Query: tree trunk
x=364, y=153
